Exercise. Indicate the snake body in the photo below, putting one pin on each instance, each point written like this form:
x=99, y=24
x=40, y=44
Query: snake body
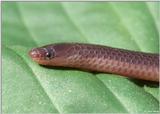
x=99, y=58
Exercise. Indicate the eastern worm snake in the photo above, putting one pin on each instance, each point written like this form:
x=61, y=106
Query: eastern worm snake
x=133, y=64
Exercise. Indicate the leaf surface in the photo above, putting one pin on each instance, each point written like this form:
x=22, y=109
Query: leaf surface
x=30, y=88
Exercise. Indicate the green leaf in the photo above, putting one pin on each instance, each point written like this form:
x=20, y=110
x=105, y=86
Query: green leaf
x=31, y=88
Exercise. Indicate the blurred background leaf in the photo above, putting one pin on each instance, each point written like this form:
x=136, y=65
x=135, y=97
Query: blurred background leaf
x=30, y=88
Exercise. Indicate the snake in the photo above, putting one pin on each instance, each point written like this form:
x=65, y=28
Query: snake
x=99, y=58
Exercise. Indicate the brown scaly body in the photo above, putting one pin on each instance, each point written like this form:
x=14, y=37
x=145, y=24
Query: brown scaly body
x=99, y=58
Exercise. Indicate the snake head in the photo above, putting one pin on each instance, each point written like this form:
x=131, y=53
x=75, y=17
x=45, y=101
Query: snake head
x=53, y=54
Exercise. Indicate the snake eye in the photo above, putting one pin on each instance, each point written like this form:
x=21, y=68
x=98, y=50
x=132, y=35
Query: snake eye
x=48, y=55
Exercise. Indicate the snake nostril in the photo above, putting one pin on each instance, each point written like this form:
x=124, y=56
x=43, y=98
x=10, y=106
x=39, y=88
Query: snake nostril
x=33, y=53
